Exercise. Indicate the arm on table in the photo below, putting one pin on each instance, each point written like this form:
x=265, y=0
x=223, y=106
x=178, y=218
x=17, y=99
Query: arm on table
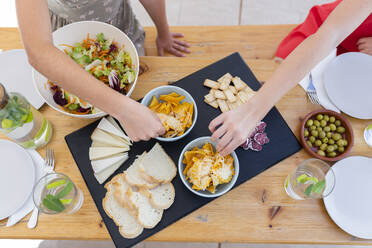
x=139, y=122
x=239, y=123
x=166, y=41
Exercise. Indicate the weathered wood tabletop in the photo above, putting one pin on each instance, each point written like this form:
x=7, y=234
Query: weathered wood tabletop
x=239, y=216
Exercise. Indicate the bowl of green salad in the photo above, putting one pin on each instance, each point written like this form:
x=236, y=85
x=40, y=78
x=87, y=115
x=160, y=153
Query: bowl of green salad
x=103, y=51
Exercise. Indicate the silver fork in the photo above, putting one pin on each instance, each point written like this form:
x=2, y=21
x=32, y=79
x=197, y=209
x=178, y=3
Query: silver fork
x=47, y=168
x=311, y=91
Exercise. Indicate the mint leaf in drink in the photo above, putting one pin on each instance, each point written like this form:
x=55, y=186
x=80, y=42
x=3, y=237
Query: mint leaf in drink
x=51, y=203
x=318, y=187
x=308, y=189
x=65, y=190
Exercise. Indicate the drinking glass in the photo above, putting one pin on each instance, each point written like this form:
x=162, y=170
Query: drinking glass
x=55, y=193
x=313, y=179
x=368, y=135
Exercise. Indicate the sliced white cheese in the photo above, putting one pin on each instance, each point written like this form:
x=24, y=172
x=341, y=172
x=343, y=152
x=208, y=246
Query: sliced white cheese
x=98, y=144
x=106, y=173
x=111, y=126
x=102, y=164
x=103, y=137
x=105, y=152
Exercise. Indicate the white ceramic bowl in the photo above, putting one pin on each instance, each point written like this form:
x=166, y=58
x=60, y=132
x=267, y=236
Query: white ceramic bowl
x=220, y=189
x=167, y=89
x=77, y=32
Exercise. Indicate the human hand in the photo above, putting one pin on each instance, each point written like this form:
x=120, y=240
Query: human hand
x=171, y=44
x=234, y=127
x=365, y=45
x=140, y=123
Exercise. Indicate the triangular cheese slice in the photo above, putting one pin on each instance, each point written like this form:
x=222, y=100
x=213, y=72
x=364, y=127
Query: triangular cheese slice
x=102, y=164
x=103, y=137
x=105, y=152
x=110, y=125
x=106, y=173
x=98, y=144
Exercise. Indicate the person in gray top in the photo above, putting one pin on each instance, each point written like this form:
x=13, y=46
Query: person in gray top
x=38, y=18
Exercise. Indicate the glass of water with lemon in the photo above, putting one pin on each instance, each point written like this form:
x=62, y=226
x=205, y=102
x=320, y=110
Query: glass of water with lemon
x=368, y=135
x=313, y=179
x=55, y=193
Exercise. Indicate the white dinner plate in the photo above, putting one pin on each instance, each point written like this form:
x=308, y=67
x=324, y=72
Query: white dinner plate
x=348, y=83
x=17, y=177
x=16, y=76
x=350, y=203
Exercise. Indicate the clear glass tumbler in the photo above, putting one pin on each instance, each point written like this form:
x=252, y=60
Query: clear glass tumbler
x=313, y=179
x=55, y=193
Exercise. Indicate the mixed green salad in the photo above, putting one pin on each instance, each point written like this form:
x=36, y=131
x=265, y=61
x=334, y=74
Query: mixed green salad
x=105, y=60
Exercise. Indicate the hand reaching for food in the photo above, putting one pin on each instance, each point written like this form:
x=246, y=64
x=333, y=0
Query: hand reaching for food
x=232, y=128
x=171, y=44
x=140, y=123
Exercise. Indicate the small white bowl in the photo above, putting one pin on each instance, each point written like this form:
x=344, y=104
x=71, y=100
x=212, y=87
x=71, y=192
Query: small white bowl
x=220, y=189
x=77, y=32
x=167, y=89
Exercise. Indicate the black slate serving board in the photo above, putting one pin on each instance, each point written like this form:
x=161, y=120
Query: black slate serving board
x=282, y=144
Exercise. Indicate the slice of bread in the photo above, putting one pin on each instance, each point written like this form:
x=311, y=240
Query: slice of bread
x=161, y=197
x=120, y=194
x=158, y=166
x=147, y=215
x=127, y=223
x=133, y=177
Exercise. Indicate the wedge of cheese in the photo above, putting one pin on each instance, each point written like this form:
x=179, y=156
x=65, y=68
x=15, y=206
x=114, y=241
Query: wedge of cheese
x=106, y=173
x=98, y=144
x=105, y=152
x=108, y=123
x=103, y=137
x=102, y=164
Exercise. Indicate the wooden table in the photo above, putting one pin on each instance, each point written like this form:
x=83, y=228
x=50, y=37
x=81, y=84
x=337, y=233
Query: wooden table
x=239, y=216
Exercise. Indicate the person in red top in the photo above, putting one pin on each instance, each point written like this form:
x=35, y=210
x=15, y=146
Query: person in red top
x=358, y=41
x=350, y=20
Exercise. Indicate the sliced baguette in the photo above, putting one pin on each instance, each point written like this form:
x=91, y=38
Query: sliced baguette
x=121, y=188
x=147, y=215
x=158, y=166
x=105, y=152
x=133, y=177
x=128, y=225
x=109, y=127
x=103, y=137
x=161, y=197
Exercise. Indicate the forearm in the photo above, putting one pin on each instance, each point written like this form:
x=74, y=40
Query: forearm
x=157, y=12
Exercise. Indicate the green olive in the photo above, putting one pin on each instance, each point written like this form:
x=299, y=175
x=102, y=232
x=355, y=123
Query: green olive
x=338, y=123
x=326, y=117
x=319, y=129
x=330, y=148
x=323, y=123
x=327, y=129
x=314, y=133
x=312, y=139
x=309, y=143
x=340, y=142
x=323, y=147
x=319, y=117
x=329, y=135
x=340, y=129
x=331, y=142
x=332, y=119
x=332, y=154
x=309, y=123
x=345, y=142
x=312, y=128
x=325, y=140
x=341, y=149
x=321, y=153
x=322, y=134
x=337, y=136
x=318, y=142
x=335, y=146
x=306, y=133
x=333, y=127
x=317, y=123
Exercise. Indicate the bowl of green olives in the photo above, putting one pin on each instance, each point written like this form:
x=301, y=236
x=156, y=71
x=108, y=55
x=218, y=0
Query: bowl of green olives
x=327, y=135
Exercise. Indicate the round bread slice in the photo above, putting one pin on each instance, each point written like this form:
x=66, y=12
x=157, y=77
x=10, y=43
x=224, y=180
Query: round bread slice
x=147, y=216
x=132, y=175
x=158, y=166
x=161, y=197
x=128, y=225
x=120, y=193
